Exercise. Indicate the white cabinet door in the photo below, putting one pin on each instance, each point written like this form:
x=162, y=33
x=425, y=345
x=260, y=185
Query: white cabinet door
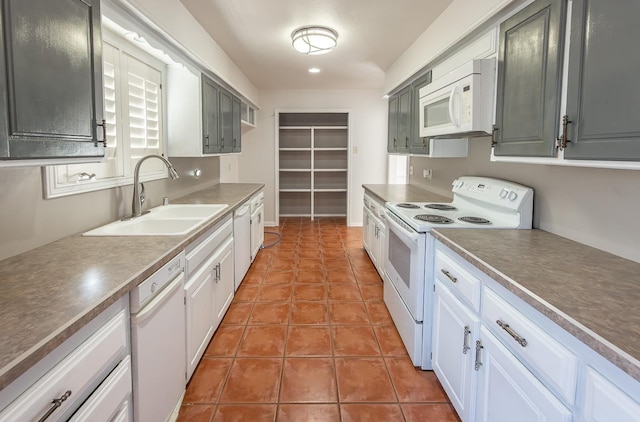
x=605, y=402
x=381, y=249
x=257, y=231
x=199, y=313
x=455, y=329
x=223, y=287
x=366, y=237
x=509, y=392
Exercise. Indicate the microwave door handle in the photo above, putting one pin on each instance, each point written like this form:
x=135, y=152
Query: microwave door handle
x=452, y=114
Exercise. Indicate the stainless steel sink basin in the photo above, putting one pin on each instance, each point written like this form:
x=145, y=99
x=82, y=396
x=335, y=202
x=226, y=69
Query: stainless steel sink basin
x=166, y=220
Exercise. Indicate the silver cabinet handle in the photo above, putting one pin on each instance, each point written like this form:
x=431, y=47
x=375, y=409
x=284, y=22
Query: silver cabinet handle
x=449, y=276
x=520, y=340
x=55, y=403
x=479, y=348
x=465, y=341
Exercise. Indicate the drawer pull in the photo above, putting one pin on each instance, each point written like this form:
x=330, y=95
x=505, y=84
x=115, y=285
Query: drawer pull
x=56, y=403
x=449, y=276
x=521, y=341
x=465, y=342
x=479, y=348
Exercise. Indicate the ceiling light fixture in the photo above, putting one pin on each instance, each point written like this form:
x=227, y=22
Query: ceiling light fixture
x=314, y=70
x=314, y=39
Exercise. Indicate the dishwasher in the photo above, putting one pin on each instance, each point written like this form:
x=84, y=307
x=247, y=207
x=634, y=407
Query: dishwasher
x=158, y=344
x=242, y=239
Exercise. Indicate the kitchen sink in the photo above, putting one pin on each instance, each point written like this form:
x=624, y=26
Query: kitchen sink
x=166, y=220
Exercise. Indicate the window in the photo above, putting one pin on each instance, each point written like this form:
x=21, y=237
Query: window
x=133, y=110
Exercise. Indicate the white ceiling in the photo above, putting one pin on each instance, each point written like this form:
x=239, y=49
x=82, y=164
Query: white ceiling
x=372, y=34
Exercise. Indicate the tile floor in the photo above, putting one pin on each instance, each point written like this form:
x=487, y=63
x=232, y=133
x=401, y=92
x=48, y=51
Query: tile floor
x=308, y=338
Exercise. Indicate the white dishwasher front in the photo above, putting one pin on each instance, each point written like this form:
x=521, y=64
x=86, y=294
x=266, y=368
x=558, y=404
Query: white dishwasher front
x=242, y=239
x=158, y=343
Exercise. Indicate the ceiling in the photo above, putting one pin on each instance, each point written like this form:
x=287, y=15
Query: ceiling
x=372, y=34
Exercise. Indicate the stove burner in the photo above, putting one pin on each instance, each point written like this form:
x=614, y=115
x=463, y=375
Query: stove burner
x=432, y=218
x=441, y=207
x=474, y=220
x=406, y=205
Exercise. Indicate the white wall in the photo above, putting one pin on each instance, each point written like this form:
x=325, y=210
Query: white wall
x=368, y=113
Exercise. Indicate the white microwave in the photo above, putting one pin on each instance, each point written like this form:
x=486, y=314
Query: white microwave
x=459, y=103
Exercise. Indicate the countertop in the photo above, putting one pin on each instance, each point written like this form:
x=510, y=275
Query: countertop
x=592, y=294
x=404, y=193
x=49, y=293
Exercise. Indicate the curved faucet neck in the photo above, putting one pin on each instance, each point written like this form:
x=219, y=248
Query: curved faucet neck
x=136, y=206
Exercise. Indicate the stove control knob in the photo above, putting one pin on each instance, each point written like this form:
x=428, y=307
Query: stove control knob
x=503, y=193
x=512, y=196
x=458, y=183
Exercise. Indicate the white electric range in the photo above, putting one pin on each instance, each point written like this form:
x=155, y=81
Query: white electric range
x=478, y=202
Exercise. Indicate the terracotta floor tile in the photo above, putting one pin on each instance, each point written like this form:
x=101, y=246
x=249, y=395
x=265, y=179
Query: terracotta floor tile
x=263, y=341
x=308, y=341
x=311, y=253
x=354, y=340
x=310, y=264
x=309, y=292
x=308, y=413
x=207, y=381
x=413, y=384
x=440, y=412
x=238, y=313
x=225, y=341
x=270, y=313
x=279, y=277
x=308, y=380
x=309, y=313
x=245, y=413
x=253, y=381
x=196, y=412
x=338, y=292
x=275, y=293
x=378, y=313
x=340, y=276
x=337, y=265
x=363, y=380
x=371, y=292
x=283, y=264
x=373, y=412
x=353, y=244
x=357, y=252
x=288, y=243
x=310, y=276
x=389, y=340
x=337, y=254
x=253, y=278
x=348, y=313
x=305, y=246
x=246, y=293
x=369, y=276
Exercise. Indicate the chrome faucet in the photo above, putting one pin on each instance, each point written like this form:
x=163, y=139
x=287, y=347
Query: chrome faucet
x=136, y=206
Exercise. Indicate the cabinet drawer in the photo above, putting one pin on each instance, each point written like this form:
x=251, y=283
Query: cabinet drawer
x=109, y=399
x=605, y=402
x=81, y=370
x=548, y=357
x=202, y=249
x=457, y=279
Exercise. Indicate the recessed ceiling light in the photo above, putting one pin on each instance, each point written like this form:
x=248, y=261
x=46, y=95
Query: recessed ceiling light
x=314, y=70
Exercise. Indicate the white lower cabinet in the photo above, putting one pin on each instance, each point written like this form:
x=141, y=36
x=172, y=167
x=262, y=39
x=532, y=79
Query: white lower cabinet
x=373, y=232
x=257, y=223
x=508, y=391
x=209, y=288
x=455, y=331
x=90, y=382
x=605, y=402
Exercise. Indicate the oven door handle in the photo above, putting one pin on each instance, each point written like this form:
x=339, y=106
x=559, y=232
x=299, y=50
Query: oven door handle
x=413, y=236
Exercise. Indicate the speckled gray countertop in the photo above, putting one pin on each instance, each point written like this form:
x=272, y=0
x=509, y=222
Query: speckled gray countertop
x=592, y=294
x=49, y=293
x=404, y=193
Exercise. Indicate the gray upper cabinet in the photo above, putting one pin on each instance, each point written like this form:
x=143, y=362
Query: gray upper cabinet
x=603, y=93
x=529, y=80
x=399, y=139
x=210, y=116
x=419, y=144
x=50, y=79
x=226, y=121
x=236, y=117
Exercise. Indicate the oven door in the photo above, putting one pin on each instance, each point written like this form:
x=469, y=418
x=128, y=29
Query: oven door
x=405, y=264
